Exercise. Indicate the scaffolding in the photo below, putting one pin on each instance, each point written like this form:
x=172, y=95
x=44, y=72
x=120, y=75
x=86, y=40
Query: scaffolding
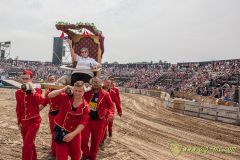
x=61, y=51
x=66, y=56
x=5, y=48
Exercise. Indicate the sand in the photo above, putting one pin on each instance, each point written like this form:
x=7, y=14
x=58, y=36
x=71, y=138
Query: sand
x=143, y=132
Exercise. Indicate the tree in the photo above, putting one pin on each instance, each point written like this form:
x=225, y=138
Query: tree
x=151, y=62
x=16, y=58
x=115, y=62
x=160, y=62
x=105, y=63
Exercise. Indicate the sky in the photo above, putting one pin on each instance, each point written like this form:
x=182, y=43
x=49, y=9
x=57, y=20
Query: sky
x=134, y=30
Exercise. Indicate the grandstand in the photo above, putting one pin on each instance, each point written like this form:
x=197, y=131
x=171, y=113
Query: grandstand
x=203, y=78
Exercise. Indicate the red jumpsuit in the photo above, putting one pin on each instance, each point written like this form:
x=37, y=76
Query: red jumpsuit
x=27, y=109
x=115, y=99
x=96, y=126
x=53, y=110
x=70, y=120
x=115, y=89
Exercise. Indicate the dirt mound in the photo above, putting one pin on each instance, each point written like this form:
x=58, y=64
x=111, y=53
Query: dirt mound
x=144, y=132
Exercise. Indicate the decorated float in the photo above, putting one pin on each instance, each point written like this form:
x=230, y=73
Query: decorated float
x=83, y=35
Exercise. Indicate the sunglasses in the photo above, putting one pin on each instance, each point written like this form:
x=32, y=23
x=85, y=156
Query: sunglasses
x=84, y=52
x=95, y=82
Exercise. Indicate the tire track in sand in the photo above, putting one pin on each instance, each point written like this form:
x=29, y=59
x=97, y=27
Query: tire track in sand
x=143, y=132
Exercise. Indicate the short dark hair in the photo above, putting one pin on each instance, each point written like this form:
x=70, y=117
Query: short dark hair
x=91, y=80
x=111, y=77
x=27, y=74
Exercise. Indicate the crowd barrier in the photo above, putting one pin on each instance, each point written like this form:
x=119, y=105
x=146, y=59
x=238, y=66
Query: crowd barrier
x=192, y=108
x=197, y=98
x=203, y=107
x=169, y=103
x=143, y=91
x=208, y=111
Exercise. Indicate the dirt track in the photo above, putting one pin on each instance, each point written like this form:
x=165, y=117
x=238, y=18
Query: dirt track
x=144, y=132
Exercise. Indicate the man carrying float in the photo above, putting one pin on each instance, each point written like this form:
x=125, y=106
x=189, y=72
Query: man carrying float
x=54, y=107
x=102, y=110
x=113, y=95
x=29, y=103
x=119, y=109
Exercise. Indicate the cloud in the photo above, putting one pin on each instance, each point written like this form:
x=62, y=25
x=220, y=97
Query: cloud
x=135, y=30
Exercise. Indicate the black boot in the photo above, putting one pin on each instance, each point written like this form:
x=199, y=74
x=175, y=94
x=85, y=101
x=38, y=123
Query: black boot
x=101, y=144
x=83, y=158
x=110, y=134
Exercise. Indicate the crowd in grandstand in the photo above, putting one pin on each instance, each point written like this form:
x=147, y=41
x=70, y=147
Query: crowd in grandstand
x=40, y=69
x=201, y=78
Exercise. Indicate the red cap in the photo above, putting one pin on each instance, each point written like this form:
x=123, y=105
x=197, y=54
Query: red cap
x=28, y=72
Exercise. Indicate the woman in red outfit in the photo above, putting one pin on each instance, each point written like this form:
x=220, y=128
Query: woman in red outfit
x=70, y=121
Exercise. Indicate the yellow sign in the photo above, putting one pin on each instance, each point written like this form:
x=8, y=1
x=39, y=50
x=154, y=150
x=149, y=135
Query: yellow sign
x=93, y=105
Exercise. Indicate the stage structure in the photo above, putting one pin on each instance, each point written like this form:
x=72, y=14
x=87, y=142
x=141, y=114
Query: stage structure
x=61, y=51
x=66, y=58
x=5, y=48
x=57, y=50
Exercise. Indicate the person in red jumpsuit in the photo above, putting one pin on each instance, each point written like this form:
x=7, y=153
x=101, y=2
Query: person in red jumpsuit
x=119, y=109
x=53, y=111
x=102, y=110
x=106, y=86
x=70, y=121
x=29, y=103
x=115, y=89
